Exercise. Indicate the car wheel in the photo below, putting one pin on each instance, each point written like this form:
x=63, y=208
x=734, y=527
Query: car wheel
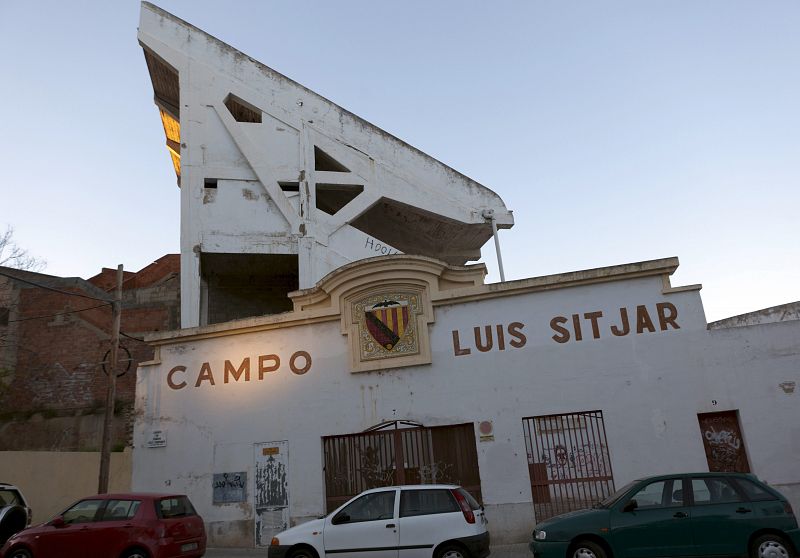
x=20, y=553
x=770, y=546
x=588, y=549
x=452, y=551
x=302, y=553
x=135, y=553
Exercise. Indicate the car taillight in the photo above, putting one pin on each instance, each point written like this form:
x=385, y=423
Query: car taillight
x=465, y=508
x=787, y=508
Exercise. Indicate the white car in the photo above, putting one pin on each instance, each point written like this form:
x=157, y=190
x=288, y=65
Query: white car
x=417, y=521
x=15, y=514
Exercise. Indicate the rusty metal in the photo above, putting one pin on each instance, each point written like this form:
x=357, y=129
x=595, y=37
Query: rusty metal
x=723, y=442
x=415, y=455
x=568, y=461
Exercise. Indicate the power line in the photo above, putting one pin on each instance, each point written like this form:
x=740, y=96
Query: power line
x=131, y=336
x=34, y=284
x=14, y=277
x=58, y=314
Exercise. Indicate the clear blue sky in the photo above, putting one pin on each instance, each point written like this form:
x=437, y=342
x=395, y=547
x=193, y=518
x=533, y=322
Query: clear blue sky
x=616, y=131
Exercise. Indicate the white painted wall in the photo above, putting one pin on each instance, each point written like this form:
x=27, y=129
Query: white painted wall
x=649, y=386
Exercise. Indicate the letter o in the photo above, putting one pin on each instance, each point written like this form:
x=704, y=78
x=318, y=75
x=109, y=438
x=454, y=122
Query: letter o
x=304, y=369
x=384, y=250
x=172, y=384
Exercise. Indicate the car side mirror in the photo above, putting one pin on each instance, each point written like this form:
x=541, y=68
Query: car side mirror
x=339, y=518
x=58, y=522
x=630, y=505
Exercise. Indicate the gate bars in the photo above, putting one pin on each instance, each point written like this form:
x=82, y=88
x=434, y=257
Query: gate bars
x=568, y=461
x=420, y=455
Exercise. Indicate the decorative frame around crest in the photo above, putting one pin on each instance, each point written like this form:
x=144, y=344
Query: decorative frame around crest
x=413, y=346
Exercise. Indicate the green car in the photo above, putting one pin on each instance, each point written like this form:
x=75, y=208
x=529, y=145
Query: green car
x=693, y=514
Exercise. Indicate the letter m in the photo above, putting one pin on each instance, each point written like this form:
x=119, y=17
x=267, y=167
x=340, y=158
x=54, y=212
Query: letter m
x=237, y=373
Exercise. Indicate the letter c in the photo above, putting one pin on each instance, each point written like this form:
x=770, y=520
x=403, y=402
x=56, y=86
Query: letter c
x=172, y=384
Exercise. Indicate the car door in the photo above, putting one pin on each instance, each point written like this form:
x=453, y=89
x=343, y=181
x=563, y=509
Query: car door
x=71, y=538
x=114, y=529
x=364, y=528
x=653, y=521
x=428, y=517
x=722, y=518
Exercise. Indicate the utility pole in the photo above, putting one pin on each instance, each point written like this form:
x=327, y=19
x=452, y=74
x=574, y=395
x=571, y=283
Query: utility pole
x=111, y=393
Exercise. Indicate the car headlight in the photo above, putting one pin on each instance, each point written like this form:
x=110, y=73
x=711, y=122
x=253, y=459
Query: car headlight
x=539, y=535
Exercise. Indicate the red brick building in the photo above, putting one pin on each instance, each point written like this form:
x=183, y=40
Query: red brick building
x=55, y=333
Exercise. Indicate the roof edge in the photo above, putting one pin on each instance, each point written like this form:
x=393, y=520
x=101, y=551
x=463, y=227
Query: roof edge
x=649, y=268
x=163, y=13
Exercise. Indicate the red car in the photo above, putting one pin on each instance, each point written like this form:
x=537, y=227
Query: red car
x=136, y=525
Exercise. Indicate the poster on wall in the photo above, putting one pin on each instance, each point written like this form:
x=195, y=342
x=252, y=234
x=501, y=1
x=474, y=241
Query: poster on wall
x=271, y=494
x=229, y=487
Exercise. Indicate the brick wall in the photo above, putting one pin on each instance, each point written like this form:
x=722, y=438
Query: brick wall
x=52, y=384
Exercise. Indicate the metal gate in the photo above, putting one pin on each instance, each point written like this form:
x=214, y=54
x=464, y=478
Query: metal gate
x=722, y=440
x=389, y=455
x=568, y=461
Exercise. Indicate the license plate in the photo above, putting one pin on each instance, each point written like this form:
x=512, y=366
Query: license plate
x=188, y=546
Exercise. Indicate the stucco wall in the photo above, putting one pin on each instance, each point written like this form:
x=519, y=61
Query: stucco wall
x=52, y=480
x=650, y=386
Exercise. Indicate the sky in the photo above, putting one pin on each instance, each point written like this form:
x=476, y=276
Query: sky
x=617, y=131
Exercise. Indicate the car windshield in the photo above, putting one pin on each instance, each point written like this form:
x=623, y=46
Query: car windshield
x=610, y=500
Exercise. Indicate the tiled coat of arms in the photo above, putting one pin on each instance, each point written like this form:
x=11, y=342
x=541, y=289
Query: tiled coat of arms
x=389, y=324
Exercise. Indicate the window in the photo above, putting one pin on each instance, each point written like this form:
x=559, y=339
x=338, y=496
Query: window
x=324, y=162
x=117, y=510
x=4, y=312
x=176, y=506
x=10, y=498
x=331, y=198
x=473, y=503
x=83, y=512
x=753, y=491
x=675, y=496
x=426, y=502
x=651, y=496
x=241, y=110
x=370, y=507
x=714, y=490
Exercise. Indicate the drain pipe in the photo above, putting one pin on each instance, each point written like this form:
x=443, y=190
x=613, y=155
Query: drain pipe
x=488, y=214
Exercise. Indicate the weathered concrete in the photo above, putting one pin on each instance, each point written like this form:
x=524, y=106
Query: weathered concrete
x=651, y=378
x=268, y=167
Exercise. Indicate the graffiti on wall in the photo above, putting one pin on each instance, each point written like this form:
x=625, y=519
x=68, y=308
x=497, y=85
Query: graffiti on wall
x=229, y=487
x=722, y=440
x=569, y=462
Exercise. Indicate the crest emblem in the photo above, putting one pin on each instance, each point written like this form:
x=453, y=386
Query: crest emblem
x=387, y=322
x=387, y=326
